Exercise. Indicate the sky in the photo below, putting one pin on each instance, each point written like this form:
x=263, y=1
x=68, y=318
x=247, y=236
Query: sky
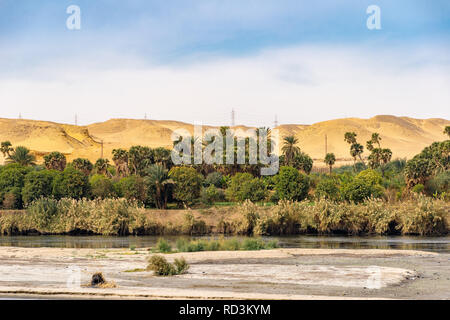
x=196, y=60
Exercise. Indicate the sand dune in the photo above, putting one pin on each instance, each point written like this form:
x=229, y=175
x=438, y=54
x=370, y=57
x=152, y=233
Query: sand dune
x=405, y=136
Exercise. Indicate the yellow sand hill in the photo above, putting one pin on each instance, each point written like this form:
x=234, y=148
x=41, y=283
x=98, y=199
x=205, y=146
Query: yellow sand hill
x=405, y=136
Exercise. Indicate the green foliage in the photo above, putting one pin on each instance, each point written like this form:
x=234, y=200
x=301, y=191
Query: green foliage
x=215, y=179
x=55, y=161
x=439, y=184
x=291, y=184
x=133, y=188
x=22, y=156
x=328, y=188
x=159, y=265
x=139, y=158
x=418, y=188
x=71, y=183
x=367, y=184
x=37, y=184
x=83, y=165
x=302, y=162
x=211, y=194
x=12, y=179
x=244, y=186
x=188, y=183
x=163, y=246
x=159, y=185
x=102, y=187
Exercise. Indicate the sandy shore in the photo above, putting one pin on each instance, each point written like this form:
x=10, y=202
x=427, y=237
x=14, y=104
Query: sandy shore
x=267, y=274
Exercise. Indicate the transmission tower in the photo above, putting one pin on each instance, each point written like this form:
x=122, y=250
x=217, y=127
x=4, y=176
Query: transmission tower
x=20, y=115
x=76, y=119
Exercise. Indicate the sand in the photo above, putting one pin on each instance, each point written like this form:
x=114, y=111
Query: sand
x=266, y=274
x=404, y=136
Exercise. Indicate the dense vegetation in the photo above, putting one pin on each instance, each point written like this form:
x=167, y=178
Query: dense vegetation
x=62, y=197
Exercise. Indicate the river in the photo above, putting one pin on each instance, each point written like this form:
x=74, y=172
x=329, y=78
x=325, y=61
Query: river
x=435, y=244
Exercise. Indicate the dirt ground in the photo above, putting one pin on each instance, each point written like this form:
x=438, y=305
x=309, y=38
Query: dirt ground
x=268, y=274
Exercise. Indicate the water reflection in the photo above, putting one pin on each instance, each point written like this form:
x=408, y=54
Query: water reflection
x=438, y=244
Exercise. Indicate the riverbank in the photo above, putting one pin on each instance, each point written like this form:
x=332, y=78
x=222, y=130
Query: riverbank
x=267, y=274
x=420, y=216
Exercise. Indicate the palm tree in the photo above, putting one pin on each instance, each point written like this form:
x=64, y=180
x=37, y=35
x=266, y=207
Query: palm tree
x=376, y=139
x=55, y=161
x=22, y=156
x=162, y=156
x=356, y=150
x=289, y=149
x=101, y=167
x=330, y=160
x=447, y=131
x=158, y=176
x=350, y=137
x=83, y=165
x=120, y=158
x=6, y=149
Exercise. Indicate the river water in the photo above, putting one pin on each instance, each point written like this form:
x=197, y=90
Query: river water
x=436, y=244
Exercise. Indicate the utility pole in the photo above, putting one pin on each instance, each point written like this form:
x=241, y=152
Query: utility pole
x=101, y=141
x=76, y=119
x=232, y=118
x=326, y=145
x=275, y=124
x=20, y=115
x=145, y=116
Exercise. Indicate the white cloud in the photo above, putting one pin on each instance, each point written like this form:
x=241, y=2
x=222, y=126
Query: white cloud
x=300, y=84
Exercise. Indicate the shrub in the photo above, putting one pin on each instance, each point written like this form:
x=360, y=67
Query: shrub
x=291, y=184
x=163, y=246
x=244, y=186
x=133, y=188
x=37, y=184
x=214, y=179
x=160, y=266
x=367, y=184
x=71, y=183
x=418, y=188
x=211, y=194
x=303, y=162
x=188, y=183
x=102, y=187
x=12, y=179
x=328, y=188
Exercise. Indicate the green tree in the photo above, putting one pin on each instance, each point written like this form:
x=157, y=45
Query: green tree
x=447, y=131
x=83, y=165
x=12, y=177
x=367, y=184
x=330, y=160
x=120, y=158
x=328, y=188
x=22, y=156
x=160, y=185
x=302, y=162
x=162, y=156
x=243, y=186
x=290, y=149
x=188, y=183
x=102, y=187
x=133, y=188
x=139, y=158
x=71, y=183
x=55, y=161
x=37, y=184
x=6, y=149
x=291, y=184
x=350, y=137
x=101, y=167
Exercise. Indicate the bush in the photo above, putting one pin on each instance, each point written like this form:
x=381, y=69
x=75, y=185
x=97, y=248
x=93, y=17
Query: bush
x=160, y=266
x=188, y=183
x=133, y=188
x=102, y=187
x=12, y=179
x=214, y=179
x=440, y=184
x=367, y=184
x=418, y=188
x=303, y=162
x=71, y=183
x=37, y=184
x=55, y=161
x=163, y=246
x=244, y=186
x=291, y=184
x=211, y=194
x=328, y=188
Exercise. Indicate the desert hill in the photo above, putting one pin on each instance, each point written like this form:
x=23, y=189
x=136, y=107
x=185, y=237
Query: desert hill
x=405, y=136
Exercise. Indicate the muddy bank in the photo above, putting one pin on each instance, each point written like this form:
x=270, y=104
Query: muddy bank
x=267, y=274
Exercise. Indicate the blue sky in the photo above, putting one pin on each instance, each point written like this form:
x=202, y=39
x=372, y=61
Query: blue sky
x=195, y=60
